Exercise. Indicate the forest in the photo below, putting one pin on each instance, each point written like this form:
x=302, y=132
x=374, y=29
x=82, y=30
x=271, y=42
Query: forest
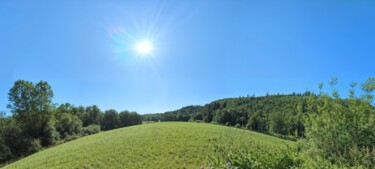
x=277, y=114
x=37, y=123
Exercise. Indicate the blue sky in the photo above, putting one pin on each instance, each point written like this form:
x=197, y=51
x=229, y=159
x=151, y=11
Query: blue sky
x=203, y=50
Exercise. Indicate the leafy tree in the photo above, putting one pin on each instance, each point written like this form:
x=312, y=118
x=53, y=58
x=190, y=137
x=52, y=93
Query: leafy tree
x=21, y=100
x=277, y=123
x=124, y=118
x=31, y=105
x=135, y=118
x=94, y=115
x=110, y=120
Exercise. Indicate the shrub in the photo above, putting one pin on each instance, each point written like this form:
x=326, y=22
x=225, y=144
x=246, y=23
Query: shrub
x=71, y=137
x=255, y=156
x=91, y=129
x=5, y=152
x=34, y=146
x=342, y=132
x=14, y=139
x=50, y=135
x=68, y=124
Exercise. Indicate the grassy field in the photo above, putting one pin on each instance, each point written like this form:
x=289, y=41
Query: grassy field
x=156, y=145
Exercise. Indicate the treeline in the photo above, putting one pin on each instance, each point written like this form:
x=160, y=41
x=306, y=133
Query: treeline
x=36, y=122
x=183, y=114
x=277, y=114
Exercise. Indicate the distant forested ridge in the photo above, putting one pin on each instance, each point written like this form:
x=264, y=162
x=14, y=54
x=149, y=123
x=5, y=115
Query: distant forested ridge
x=37, y=123
x=281, y=114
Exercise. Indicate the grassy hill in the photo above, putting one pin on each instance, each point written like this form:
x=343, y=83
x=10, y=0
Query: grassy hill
x=156, y=145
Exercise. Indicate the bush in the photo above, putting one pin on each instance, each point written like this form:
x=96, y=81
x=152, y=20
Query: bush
x=91, y=129
x=34, y=146
x=14, y=139
x=71, y=137
x=255, y=156
x=50, y=135
x=5, y=153
x=68, y=124
x=342, y=132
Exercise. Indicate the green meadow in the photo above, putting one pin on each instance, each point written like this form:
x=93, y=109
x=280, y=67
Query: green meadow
x=155, y=145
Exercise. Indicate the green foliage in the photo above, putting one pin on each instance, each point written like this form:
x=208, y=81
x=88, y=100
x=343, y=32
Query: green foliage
x=34, y=146
x=14, y=138
x=31, y=106
x=91, y=129
x=50, y=135
x=280, y=114
x=124, y=118
x=255, y=156
x=342, y=132
x=249, y=155
x=110, y=120
x=134, y=119
x=20, y=100
x=5, y=153
x=278, y=123
x=93, y=115
x=183, y=114
x=68, y=124
x=368, y=86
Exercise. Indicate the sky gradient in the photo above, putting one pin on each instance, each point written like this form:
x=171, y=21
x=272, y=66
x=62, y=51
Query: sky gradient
x=203, y=50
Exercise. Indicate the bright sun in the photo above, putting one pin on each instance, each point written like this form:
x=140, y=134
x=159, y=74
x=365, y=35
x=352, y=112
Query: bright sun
x=144, y=47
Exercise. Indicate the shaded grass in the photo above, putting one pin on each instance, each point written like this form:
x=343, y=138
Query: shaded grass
x=156, y=145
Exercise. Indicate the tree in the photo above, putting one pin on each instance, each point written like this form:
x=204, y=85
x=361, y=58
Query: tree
x=21, y=100
x=2, y=118
x=277, y=123
x=110, y=120
x=92, y=116
x=135, y=118
x=124, y=118
x=5, y=152
x=31, y=106
x=42, y=96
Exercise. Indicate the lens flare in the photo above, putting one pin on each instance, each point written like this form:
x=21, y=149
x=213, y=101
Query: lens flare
x=144, y=47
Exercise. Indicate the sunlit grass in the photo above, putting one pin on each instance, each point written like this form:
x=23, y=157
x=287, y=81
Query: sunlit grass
x=156, y=145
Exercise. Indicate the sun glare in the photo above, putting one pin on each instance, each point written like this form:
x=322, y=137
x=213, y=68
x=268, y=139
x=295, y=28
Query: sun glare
x=144, y=47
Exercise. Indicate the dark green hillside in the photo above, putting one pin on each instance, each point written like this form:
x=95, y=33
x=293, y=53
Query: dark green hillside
x=281, y=114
